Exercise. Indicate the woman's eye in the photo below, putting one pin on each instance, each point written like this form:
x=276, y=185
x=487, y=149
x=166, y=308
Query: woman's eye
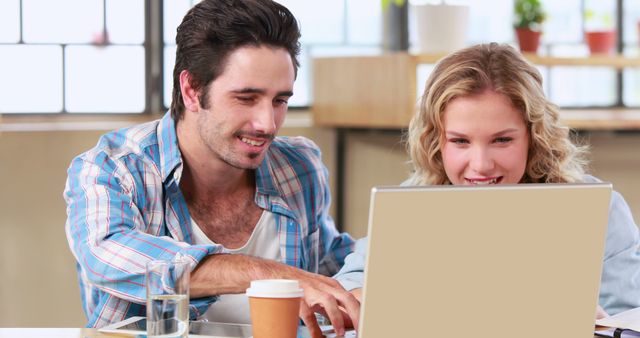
x=503, y=139
x=458, y=141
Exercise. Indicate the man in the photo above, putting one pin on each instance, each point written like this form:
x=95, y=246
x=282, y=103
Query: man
x=211, y=181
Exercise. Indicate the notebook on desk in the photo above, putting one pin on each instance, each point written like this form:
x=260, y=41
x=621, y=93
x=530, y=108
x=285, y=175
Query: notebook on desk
x=499, y=261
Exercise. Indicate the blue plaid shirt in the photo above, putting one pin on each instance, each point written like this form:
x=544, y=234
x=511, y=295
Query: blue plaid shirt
x=125, y=208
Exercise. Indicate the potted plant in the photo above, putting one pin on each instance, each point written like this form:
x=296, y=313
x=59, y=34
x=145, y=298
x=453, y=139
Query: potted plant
x=600, y=34
x=529, y=16
x=395, y=25
x=386, y=3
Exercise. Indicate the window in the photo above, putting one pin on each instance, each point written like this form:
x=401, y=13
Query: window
x=93, y=56
x=173, y=12
x=72, y=56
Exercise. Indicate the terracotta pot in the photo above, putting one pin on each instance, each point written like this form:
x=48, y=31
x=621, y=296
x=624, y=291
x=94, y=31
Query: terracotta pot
x=528, y=40
x=601, y=42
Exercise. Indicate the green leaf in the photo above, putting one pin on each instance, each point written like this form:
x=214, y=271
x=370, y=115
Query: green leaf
x=387, y=3
x=529, y=14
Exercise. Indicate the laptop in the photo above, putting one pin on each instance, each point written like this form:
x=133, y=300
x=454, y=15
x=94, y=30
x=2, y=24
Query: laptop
x=502, y=261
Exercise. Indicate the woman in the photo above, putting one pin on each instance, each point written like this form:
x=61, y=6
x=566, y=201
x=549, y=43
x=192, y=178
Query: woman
x=484, y=119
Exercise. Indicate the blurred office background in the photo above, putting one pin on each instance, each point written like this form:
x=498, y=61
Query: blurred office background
x=71, y=70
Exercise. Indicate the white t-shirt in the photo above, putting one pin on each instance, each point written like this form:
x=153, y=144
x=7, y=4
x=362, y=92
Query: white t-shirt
x=263, y=243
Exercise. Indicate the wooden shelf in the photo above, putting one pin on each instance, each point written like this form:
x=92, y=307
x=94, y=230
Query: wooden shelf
x=380, y=91
x=602, y=119
x=613, y=61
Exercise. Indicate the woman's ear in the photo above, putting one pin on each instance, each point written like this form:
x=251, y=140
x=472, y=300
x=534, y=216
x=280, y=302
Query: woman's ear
x=190, y=96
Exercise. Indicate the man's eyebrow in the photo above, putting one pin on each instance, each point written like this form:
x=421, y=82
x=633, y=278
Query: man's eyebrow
x=285, y=93
x=251, y=90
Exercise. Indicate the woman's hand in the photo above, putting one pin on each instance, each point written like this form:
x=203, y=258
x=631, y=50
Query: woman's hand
x=601, y=313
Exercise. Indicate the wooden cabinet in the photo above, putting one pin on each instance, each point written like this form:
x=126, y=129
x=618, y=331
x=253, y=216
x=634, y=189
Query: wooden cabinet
x=380, y=91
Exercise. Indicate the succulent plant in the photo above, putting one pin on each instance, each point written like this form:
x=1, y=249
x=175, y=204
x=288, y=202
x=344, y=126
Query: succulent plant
x=386, y=3
x=529, y=14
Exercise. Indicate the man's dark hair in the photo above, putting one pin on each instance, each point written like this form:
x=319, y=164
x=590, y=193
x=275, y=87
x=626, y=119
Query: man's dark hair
x=213, y=29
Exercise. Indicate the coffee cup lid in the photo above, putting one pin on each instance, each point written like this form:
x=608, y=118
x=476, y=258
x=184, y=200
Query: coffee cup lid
x=275, y=288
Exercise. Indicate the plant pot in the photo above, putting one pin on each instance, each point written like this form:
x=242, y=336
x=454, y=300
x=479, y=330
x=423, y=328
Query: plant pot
x=601, y=42
x=441, y=28
x=528, y=40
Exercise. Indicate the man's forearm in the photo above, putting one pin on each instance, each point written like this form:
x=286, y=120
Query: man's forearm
x=225, y=273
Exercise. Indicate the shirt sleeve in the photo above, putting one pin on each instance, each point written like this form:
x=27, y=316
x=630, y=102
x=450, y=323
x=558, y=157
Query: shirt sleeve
x=351, y=276
x=620, y=283
x=335, y=246
x=109, y=235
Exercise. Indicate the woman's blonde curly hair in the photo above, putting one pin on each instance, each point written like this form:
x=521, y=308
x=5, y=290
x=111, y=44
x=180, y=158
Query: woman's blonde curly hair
x=553, y=157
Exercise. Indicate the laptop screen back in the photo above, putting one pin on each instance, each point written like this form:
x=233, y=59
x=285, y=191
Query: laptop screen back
x=502, y=261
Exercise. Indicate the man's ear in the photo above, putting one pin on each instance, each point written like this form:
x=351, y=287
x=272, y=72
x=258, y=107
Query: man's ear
x=190, y=96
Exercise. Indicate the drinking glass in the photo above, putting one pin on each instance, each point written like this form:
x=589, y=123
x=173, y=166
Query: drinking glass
x=167, y=284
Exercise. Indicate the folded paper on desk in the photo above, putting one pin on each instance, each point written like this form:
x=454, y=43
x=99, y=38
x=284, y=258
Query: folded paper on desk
x=623, y=324
x=617, y=333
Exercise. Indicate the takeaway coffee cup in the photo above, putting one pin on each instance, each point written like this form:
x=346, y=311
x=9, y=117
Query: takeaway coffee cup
x=274, y=306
